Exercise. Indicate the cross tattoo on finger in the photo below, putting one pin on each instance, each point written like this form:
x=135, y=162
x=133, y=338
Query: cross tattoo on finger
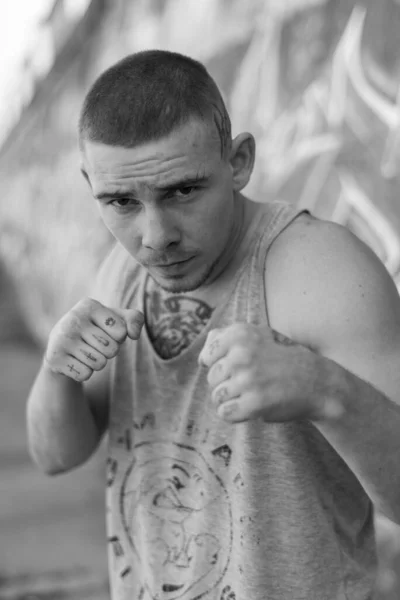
x=73, y=370
x=214, y=346
x=89, y=355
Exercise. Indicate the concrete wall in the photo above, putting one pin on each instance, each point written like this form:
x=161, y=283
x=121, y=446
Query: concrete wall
x=284, y=70
x=292, y=72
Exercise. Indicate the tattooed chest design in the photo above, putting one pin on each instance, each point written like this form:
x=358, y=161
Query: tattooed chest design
x=173, y=322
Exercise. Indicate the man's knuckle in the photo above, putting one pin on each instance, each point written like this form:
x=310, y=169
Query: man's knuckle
x=73, y=324
x=80, y=316
x=59, y=349
x=244, y=380
x=53, y=361
x=71, y=348
x=112, y=350
x=53, y=352
x=101, y=362
x=240, y=354
x=85, y=375
x=120, y=334
x=82, y=373
x=115, y=326
x=87, y=305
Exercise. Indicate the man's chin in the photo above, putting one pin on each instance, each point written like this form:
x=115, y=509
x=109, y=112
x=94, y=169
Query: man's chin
x=178, y=285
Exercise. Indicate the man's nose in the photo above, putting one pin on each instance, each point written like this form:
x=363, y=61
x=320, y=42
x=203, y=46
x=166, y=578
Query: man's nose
x=159, y=230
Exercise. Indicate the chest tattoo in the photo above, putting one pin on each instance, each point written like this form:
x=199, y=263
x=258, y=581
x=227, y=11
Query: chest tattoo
x=174, y=321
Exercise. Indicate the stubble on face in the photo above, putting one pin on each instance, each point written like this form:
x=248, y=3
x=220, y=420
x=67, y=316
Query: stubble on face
x=175, y=286
x=212, y=271
x=195, y=149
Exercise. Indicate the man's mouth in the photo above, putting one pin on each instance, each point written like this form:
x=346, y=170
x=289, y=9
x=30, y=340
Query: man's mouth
x=173, y=266
x=172, y=263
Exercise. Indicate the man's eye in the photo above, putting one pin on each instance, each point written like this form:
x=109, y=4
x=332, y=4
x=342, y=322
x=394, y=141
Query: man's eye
x=185, y=191
x=121, y=203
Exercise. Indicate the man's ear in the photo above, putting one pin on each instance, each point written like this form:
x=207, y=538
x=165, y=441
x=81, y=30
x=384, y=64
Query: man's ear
x=241, y=159
x=85, y=175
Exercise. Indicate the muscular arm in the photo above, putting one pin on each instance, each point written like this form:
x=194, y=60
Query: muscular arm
x=338, y=299
x=66, y=419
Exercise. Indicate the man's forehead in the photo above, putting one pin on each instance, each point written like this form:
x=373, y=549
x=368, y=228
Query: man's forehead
x=191, y=139
x=154, y=164
x=150, y=174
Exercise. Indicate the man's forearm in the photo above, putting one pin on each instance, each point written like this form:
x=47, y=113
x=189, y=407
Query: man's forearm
x=62, y=432
x=365, y=431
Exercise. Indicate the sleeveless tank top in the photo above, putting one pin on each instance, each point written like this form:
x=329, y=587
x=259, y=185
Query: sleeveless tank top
x=200, y=508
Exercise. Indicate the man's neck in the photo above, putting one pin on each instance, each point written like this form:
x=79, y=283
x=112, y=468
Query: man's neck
x=173, y=320
x=244, y=212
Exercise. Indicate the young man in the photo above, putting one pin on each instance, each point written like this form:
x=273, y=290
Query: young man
x=253, y=421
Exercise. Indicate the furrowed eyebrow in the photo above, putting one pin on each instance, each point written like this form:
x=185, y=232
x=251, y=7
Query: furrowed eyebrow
x=112, y=195
x=185, y=181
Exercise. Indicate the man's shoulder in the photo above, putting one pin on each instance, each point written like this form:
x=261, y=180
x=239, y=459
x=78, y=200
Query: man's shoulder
x=116, y=277
x=316, y=270
x=310, y=242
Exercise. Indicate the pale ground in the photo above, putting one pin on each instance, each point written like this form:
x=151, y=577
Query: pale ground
x=52, y=528
x=52, y=533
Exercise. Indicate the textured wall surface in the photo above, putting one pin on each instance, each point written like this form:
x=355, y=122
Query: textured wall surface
x=290, y=73
x=313, y=80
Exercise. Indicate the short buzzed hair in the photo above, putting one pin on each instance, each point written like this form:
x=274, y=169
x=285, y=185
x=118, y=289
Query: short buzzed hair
x=146, y=95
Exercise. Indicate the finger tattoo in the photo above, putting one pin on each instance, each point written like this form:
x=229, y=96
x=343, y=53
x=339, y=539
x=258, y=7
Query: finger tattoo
x=214, y=346
x=218, y=368
x=229, y=408
x=110, y=322
x=73, y=370
x=221, y=395
x=89, y=355
x=101, y=340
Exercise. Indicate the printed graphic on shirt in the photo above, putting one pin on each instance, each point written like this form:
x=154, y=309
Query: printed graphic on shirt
x=177, y=518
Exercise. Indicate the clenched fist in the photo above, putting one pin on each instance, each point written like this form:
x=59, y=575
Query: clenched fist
x=88, y=336
x=254, y=371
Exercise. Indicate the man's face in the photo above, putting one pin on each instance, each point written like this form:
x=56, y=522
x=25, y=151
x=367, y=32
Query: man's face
x=169, y=202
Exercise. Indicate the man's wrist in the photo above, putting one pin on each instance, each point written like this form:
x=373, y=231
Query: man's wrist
x=48, y=368
x=330, y=391
x=55, y=375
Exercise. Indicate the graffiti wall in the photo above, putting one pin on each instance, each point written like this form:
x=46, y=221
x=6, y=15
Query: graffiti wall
x=315, y=81
x=318, y=84
x=327, y=116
